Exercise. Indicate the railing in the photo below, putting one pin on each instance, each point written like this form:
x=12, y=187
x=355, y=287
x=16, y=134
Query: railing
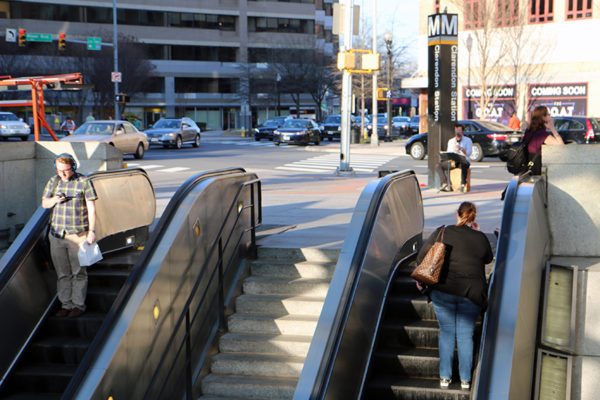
x=186, y=274
x=386, y=228
x=27, y=284
x=508, y=341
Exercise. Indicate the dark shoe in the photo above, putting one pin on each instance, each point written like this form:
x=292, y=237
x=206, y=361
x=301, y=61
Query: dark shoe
x=445, y=188
x=76, y=312
x=63, y=312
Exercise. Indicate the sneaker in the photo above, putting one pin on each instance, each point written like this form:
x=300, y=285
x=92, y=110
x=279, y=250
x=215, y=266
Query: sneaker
x=445, y=188
x=76, y=312
x=63, y=312
x=465, y=385
x=463, y=189
x=445, y=382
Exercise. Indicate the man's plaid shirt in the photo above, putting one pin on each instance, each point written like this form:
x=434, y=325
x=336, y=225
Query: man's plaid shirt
x=70, y=216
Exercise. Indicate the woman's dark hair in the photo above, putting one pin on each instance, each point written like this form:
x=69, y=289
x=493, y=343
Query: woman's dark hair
x=537, y=119
x=466, y=213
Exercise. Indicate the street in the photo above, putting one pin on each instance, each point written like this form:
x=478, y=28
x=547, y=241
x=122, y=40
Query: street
x=301, y=190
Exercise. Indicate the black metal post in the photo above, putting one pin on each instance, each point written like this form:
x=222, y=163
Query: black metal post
x=222, y=324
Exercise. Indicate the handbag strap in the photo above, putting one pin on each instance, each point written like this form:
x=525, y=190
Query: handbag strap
x=440, y=233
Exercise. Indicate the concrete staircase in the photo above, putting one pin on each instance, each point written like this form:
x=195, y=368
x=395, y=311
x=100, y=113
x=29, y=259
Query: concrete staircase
x=262, y=354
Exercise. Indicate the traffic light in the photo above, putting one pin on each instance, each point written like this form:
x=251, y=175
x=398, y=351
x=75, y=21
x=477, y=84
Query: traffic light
x=22, y=37
x=122, y=98
x=62, y=41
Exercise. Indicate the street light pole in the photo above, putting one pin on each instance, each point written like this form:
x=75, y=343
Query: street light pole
x=469, y=46
x=388, y=44
x=116, y=58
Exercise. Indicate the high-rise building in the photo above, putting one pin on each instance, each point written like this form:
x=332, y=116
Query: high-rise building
x=202, y=51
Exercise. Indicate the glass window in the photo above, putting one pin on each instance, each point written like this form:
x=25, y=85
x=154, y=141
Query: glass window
x=577, y=125
x=579, y=9
x=507, y=12
x=474, y=11
x=541, y=11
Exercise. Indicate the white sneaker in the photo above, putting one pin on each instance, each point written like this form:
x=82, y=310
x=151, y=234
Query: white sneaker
x=465, y=385
x=445, y=382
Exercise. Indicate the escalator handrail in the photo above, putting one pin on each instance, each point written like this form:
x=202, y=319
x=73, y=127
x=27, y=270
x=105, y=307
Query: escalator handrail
x=510, y=200
x=136, y=273
x=193, y=292
x=318, y=379
x=23, y=244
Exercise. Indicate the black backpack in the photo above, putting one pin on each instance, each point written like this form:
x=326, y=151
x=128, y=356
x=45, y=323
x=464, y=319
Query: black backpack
x=517, y=157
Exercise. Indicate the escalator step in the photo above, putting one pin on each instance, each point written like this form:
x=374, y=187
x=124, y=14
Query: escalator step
x=59, y=350
x=47, y=378
x=403, y=333
x=109, y=278
x=405, y=362
x=34, y=396
x=86, y=326
x=392, y=387
x=101, y=298
x=401, y=306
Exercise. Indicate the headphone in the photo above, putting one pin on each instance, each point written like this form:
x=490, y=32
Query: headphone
x=74, y=167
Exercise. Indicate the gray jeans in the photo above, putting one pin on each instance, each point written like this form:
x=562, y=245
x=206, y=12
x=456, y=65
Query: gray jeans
x=71, y=285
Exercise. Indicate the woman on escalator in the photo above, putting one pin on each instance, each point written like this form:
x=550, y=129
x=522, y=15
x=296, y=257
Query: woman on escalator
x=461, y=294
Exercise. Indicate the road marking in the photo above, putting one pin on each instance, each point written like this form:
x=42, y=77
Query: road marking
x=174, y=169
x=151, y=166
x=330, y=162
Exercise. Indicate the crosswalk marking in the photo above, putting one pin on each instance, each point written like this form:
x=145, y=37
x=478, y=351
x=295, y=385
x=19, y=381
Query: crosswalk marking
x=174, y=169
x=330, y=162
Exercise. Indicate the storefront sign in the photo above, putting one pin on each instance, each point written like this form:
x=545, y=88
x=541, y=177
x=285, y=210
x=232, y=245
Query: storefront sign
x=500, y=111
x=562, y=99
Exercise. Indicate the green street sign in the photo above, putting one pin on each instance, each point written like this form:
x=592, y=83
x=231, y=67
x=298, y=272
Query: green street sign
x=94, y=43
x=38, y=37
x=324, y=107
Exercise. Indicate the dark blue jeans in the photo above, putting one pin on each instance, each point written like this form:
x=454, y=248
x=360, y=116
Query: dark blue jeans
x=456, y=317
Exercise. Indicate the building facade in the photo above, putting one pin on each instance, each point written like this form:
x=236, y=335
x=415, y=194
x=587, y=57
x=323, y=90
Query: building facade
x=518, y=54
x=201, y=50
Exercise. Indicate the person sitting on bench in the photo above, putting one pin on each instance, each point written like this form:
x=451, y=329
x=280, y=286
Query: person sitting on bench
x=462, y=145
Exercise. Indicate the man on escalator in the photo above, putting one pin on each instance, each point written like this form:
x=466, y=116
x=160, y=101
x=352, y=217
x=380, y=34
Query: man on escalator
x=72, y=197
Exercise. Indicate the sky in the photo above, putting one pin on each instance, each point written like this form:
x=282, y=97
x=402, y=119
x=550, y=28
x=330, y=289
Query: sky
x=401, y=17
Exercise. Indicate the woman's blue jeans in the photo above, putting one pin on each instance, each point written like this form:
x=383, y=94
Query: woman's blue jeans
x=456, y=317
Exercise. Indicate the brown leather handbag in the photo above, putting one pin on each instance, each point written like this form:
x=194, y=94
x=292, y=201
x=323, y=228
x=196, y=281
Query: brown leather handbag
x=428, y=272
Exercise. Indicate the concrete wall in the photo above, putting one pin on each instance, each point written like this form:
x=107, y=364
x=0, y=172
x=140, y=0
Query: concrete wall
x=25, y=167
x=574, y=199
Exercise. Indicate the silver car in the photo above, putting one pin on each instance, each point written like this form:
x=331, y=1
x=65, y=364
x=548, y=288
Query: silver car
x=11, y=126
x=174, y=132
x=121, y=134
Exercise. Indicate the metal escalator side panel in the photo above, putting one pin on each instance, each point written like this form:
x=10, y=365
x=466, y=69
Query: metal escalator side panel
x=388, y=215
x=508, y=344
x=138, y=357
x=26, y=289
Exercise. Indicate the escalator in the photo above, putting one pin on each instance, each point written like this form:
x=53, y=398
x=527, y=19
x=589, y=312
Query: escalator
x=192, y=275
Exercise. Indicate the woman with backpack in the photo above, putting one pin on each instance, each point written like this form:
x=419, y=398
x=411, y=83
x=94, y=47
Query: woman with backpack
x=540, y=131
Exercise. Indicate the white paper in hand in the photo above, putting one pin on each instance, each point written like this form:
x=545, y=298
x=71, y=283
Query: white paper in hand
x=88, y=254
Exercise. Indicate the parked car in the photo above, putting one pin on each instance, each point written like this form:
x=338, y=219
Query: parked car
x=382, y=128
x=580, y=130
x=121, y=134
x=400, y=124
x=11, y=126
x=490, y=139
x=298, y=131
x=174, y=132
x=331, y=127
x=413, y=125
x=265, y=131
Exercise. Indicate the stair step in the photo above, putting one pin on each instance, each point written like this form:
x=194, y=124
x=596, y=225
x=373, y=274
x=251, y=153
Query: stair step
x=249, y=387
x=59, y=350
x=403, y=333
x=257, y=364
x=85, y=326
x=101, y=298
x=299, y=286
x=272, y=323
x=303, y=305
x=401, y=306
x=302, y=254
x=393, y=387
x=291, y=269
x=296, y=345
x=407, y=362
x=111, y=278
